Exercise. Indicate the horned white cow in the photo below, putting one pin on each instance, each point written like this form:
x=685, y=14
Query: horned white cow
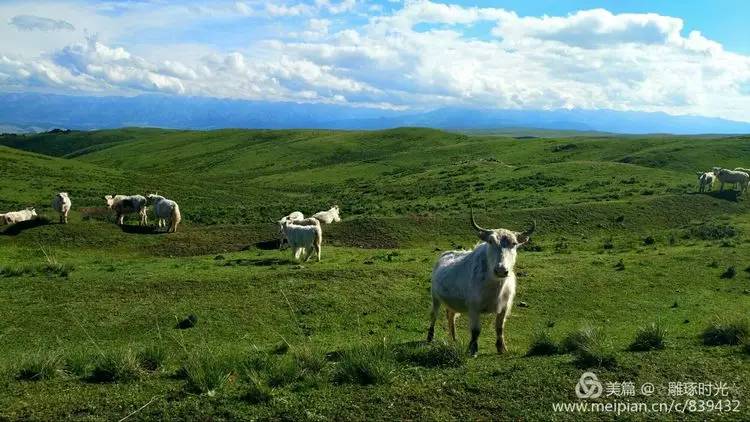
x=123, y=204
x=167, y=212
x=14, y=217
x=303, y=240
x=735, y=177
x=61, y=204
x=706, y=181
x=328, y=217
x=477, y=282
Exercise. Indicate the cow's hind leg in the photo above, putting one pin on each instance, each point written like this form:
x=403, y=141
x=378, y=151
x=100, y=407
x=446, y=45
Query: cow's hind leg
x=475, y=326
x=451, y=315
x=433, y=318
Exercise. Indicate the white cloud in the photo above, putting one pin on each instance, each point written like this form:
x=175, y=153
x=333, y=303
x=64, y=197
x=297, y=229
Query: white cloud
x=418, y=56
x=38, y=23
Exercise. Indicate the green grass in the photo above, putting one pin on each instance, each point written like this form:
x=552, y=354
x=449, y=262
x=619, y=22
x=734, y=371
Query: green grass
x=724, y=332
x=343, y=338
x=650, y=337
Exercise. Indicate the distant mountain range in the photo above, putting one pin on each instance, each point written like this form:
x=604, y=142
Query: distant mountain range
x=24, y=112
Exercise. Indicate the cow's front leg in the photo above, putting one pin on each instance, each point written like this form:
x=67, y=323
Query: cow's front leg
x=499, y=329
x=475, y=326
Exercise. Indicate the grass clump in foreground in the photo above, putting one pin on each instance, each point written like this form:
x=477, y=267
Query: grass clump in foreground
x=152, y=357
x=438, y=354
x=648, y=338
x=590, y=347
x=365, y=366
x=40, y=366
x=725, y=333
x=115, y=367
x=257, y=391
x=204, y=372
x=542, y=344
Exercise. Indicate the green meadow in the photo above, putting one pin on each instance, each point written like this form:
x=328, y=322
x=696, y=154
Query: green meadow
x=631, y=274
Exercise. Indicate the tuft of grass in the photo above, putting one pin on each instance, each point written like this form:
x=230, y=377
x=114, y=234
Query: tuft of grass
x=648, y=338
x=78, y=363
x=257, y=391
x=729, y=273
x=365, y=366
x=309, y=359
x=283, y=371
x=725, y=333
x=115, y=367
x=542, y=344
x=152, y=357
x=188, y=322
x=590, y=347
x=40, y=366
x=204, y=372
x=438, y=354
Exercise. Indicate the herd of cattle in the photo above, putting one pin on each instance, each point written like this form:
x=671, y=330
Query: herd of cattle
x=473, y=282
x=739, y=177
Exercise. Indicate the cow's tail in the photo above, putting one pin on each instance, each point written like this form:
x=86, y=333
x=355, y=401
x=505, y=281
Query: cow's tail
x=176, y=218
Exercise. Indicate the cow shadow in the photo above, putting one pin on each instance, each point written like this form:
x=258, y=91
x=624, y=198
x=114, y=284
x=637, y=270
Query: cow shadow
x=268, y=245
x=20, y=227
x=725, y=195
x=136, y=229
x=258, y=262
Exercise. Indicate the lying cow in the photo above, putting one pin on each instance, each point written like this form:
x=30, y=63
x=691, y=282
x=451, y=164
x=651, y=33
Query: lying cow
x=14, y=217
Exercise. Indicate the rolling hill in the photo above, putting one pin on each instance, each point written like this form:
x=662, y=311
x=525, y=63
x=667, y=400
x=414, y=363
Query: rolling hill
x=90, y=311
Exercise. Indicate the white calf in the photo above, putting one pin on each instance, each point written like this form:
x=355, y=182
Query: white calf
x=167, y=212
x=706, y=180
x=303, y=240
x=328, y=217
x=61, y=204
x=477, y=282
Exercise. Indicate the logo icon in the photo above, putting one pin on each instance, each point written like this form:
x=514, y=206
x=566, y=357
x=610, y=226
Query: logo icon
x=588, y=386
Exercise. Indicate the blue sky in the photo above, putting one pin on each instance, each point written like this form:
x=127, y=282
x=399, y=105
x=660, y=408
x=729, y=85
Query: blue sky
x=684, y=57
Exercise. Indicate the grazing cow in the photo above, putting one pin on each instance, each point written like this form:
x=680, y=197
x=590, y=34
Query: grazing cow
x=328, y=217
x=61, y=204
x=167, y=212
x=123, y=204
x=14, y=217
x=477, y=282
x=706, y=181
x=303, y=240
x=735, y=177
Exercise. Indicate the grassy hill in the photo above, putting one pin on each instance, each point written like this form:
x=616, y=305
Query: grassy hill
x=623, y=241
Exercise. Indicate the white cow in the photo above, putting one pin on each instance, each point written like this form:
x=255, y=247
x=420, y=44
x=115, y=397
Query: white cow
x=478, y=282
x=303, y=240
x=735, y=177
x=122, y=205
x=328, y=217
x=293, y=216
x=167, y=212
x=14, y=217
x=61, y=204
x=706, y=181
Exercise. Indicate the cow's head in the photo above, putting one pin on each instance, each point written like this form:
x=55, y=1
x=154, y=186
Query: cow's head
x=335, y=212
x=502, y=245
x=110, y=200
x=32, y=210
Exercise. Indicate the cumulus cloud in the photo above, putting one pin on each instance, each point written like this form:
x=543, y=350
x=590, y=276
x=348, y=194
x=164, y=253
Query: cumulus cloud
x=420, y=55
x=38, y=23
